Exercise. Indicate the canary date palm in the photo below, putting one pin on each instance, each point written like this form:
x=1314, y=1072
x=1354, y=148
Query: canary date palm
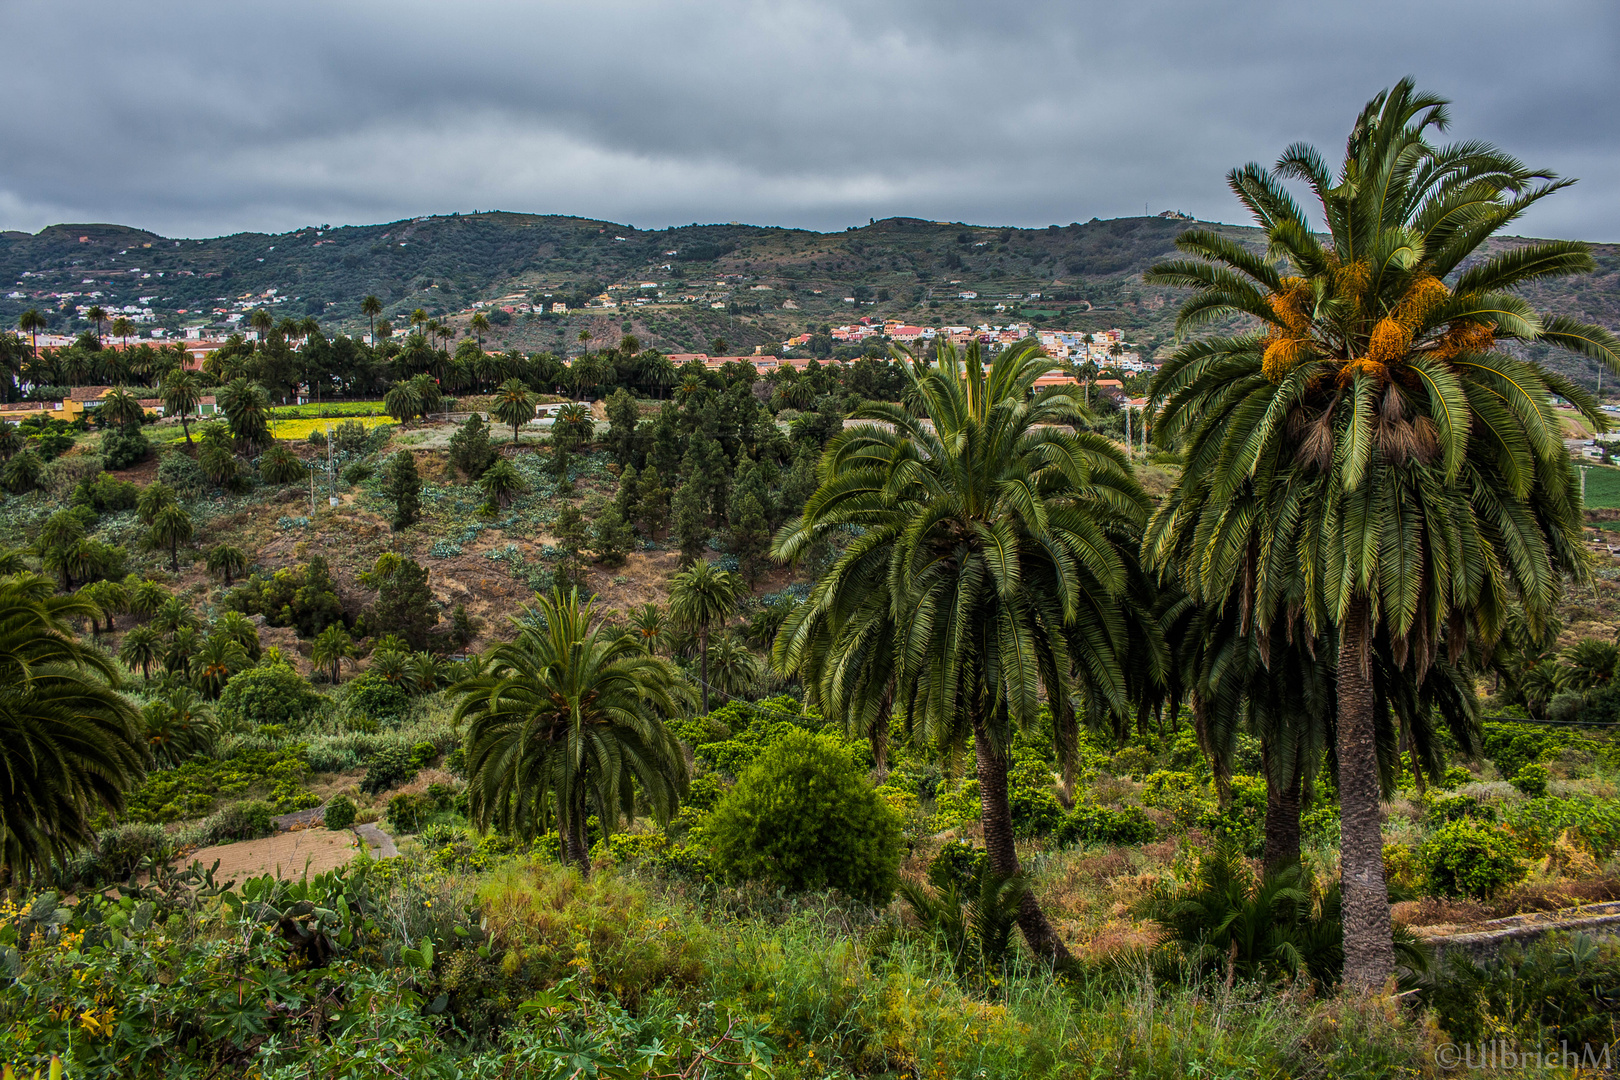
x=70, y=744
x=1377, y=456
x=567, y=720
x=991, y=552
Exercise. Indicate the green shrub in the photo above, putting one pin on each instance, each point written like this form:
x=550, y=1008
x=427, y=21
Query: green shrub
x=1441, y=809
x=180, y=470
x=956, y=807
x=339, y=813
x=1088, y=824
x=1466, y=858
x=408, y=812
x=1178, y=793
x=106, y=494
x=387, y=767
x=1532, y=779
x=269, y=694
x=704, y=792
x=1513, y=746
x=374, y=697
x=957, y=865
x=1131, y=761
x=302, y=597
x=1536, y=823
x=192, y=789
x=607, y=932
x=122, y=447
x=803, y=817
x=1455, y=777
x=247, y=820
x=1035, y=810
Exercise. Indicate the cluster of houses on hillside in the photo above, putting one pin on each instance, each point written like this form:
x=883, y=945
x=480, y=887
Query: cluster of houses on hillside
x=1105, y=347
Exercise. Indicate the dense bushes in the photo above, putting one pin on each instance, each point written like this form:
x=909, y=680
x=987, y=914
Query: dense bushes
x=272, y=693
x=804, y=817
x=303, y=598
x=340, y=813
x=1088, y=824
x=1465, y=858
x=192, y=788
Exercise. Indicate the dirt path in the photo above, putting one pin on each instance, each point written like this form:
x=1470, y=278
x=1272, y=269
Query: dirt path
x=286, y=854
x=380, y=843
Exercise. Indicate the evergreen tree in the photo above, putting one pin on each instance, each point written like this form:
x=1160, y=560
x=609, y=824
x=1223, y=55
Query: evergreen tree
x=470, y=449
x=690, y=525
x=751, y=539
x=405, y=488
x=628, y=498
x=569, y=529
x=665, y=454
x=405, y=604
x=612, y=537
x=623, y=417
x=653, y=507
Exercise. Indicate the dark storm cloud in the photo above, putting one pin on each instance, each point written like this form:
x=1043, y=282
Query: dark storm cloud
x=198, y=118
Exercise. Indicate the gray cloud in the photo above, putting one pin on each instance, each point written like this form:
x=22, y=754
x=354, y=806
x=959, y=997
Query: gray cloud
x=198, y=118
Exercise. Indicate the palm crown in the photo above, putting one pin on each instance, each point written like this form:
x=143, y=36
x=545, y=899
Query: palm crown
x=1442, y=477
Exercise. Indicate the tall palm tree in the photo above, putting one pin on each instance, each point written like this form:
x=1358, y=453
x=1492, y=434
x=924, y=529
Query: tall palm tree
x=1369, y=456
x=70, y=744
x=371, y=307
x=122, y=328
x=1001, y=539
x=647, y=623
x=179, y=725
x=122, y=408
x=172, y=527
x=262, y=323
x=702, y=597
x=141, y=648
x=514, y=405
x=480, y=327
x=98, y=315
x=31, y=322
x=228, y=561
x=181, y=393
x=568, y=720
x=246, y=406
x=212, y=665
x=331, y=647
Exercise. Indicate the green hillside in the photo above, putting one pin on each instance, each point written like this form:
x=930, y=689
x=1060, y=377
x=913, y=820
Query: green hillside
x=769, y=282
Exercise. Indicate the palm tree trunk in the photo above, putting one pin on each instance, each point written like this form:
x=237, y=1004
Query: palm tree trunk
x=703, y=666
x=174, y=555
x=1066, y=736
x=1282, y=810
x=1369, y=952
x=995, y=813
x=575, y=849
x=185, y=426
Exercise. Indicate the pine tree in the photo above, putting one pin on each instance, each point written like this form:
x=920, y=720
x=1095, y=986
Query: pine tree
x=612, y=537
x=623, y=417
x=751, y=539
x=653, y=506
x=690, y=525
x=405, y=488
x=470, y=449
x=628, y=497
x=569, y=530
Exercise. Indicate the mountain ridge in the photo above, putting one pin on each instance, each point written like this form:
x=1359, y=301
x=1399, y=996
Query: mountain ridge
x=768, y=281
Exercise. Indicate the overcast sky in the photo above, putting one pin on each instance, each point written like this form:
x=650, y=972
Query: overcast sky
x=202, y=118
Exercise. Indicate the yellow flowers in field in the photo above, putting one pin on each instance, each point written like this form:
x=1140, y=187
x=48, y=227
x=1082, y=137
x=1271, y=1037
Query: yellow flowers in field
x=301, y=427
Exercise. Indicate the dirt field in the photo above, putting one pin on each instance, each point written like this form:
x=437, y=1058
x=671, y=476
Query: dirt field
x=285, y=854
